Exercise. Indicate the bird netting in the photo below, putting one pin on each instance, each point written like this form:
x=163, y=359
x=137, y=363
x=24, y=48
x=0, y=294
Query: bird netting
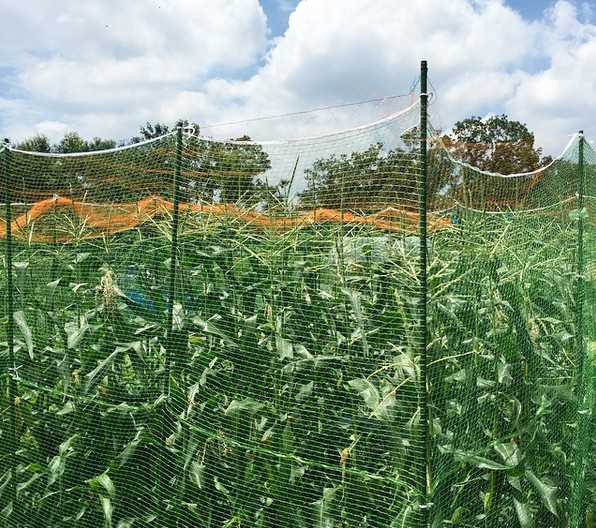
x=226, y=333
x=510, y=390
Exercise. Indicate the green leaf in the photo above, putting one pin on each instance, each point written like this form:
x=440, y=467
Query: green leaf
x=178, y=316
x=547, y=492
x=66, y=446
x=284, y=348
x=367, y=391
x=57, y=464
x=106, y=506
x=478, y=461
x=20, y=265
x=54, y=284
x=323, y=509
x=509, y=452
x=75, y=333
x=19, y=319
x=102, y=482
x=130, y=448
x=24, y=485
x=95, y=376
x=220, y=487
x=380, y=405
x=81, y=257
x=197, y=472
x=523, y=514
x=67, y=409
x=576, y=214
x=209, y=328
x=248, y=405
x=456, y=377
x=305, y=391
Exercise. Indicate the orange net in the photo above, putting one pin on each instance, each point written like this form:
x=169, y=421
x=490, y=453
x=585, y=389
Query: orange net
x=99, y=220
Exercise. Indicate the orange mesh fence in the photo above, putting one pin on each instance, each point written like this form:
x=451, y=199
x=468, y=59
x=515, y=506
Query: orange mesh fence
x=99, y=220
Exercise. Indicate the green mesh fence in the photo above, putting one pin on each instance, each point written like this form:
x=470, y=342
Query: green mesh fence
x=229, y=334
x=511, y=395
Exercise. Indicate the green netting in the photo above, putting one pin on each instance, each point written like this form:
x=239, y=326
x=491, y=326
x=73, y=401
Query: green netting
x=510, y=390
x=228, y=333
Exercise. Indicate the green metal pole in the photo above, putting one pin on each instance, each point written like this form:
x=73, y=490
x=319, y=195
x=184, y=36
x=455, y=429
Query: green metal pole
x=12, y=383
x=173, y=255
x=162, y=463
x=582, y=392
x=423, y=281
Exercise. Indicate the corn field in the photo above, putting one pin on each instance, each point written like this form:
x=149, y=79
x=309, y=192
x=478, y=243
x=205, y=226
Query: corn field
x=228, y=354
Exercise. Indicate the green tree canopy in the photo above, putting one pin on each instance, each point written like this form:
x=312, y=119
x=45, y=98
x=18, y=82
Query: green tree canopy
x=37, y=143
x=70, y=143
x=154, y=130
x=367, y=180
x=227, y=172
x=495, y=144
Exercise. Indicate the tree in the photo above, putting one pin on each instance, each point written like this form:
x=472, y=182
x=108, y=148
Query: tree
x=37, y=143
x=500, y=145
x=100, y=144
x=154, y=130
x=226, y=172
x=72, y=142
x=365, y=180
x=212, y=172
x=495, y=144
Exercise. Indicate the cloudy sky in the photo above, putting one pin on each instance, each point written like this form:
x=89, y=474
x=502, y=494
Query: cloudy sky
x=103, y=67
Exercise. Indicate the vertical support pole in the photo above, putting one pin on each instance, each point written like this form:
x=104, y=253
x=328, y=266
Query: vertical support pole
x=173, y=256
x=583, y=407
x=162, y=463
x=12, y=383
x=423, y=281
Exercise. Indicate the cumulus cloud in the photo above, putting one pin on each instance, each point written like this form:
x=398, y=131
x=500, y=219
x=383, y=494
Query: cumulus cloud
x=74, y=60
x=338, y=51
x=105, y=67
x=558, y=100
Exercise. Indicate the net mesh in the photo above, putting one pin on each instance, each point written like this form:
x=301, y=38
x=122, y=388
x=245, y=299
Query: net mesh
x=207, y=332
x=510, y=394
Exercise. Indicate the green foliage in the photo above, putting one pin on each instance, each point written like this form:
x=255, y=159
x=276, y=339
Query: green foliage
x=73, y=142
x=495, y=144
x=37, y=143
x=227, y=172
x=293, y=397
x=363, y=180
x=288, y=390
x=155, y=130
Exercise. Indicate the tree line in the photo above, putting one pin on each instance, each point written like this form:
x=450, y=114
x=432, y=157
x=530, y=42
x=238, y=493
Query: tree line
x=363, y=180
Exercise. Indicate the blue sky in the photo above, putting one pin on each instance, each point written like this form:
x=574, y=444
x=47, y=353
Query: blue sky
x=530, y=9
x=278, y=13
x=103, y=67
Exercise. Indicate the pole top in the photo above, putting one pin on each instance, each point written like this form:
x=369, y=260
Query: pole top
x=581, y=132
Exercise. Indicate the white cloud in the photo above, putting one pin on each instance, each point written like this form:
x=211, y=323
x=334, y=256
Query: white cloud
x=560, y=99
x=349, y=50
x=98, y=57
x=52, y=129
x=105, y=67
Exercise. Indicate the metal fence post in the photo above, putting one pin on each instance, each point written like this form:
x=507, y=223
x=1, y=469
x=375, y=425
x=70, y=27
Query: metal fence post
x=173, y=255
x=423, y=281
x=12, y=383
x=583, y=407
